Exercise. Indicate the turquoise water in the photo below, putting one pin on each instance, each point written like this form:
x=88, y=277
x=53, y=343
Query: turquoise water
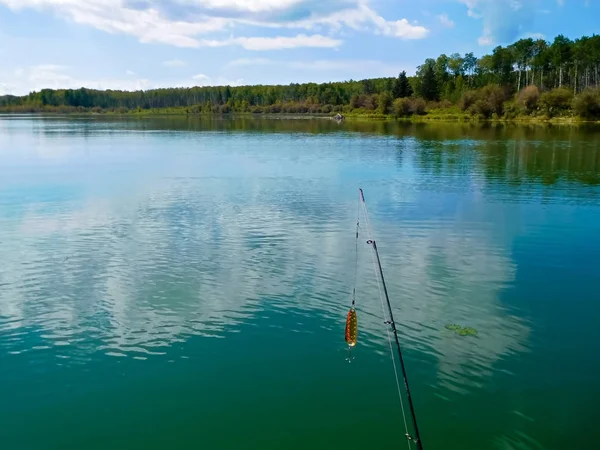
x=178, y=283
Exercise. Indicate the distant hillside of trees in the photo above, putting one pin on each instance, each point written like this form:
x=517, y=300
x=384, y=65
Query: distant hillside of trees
x=529, y=77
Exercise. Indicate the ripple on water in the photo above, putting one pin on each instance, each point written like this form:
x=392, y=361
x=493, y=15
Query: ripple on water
x=252, y=241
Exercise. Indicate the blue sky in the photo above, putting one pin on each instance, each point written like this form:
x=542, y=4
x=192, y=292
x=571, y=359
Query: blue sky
x=143, y=44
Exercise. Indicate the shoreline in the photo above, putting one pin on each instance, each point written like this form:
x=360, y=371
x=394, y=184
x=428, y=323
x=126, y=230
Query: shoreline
x=426, y=118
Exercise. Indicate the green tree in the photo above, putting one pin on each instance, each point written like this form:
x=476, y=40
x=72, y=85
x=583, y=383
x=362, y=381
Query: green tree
x=561, y=51
x=456, y=64
x=540, y=61
x=402, y=86
x=470, y=66
x=428, y=83
x=522, y=52
x=502, y=64
x=384, y=104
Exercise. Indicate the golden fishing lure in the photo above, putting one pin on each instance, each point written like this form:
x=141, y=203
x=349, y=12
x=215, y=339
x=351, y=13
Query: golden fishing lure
x=351, y=328
x=351, y=333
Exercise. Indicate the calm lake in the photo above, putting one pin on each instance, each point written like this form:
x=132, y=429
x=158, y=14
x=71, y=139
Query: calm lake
x=178, y=283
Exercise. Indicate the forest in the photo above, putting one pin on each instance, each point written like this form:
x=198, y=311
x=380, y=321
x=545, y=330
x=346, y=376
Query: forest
x=531, y=77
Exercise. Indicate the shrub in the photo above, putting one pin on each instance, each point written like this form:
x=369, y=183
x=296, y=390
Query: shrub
x=368, y=102
x=488, y=101
x=402, y=107
x=494, y=95
x=384, y=103
x=556, y=101
x=587, y=104
x=481, y=108
x=303, y=108
x=528, y=98
x=327, y=109
x=511, y=110
x=417, y=106
x=467, y=100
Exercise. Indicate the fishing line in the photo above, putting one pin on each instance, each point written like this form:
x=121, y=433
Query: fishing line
x=390, y=321
x=351, y=332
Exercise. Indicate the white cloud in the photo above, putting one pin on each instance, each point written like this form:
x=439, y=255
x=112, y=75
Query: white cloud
x=246, y=5
x=403, y=29
x=222, y=81
x=445, y=20
x=535, y=35
x=363, y=18
x=503, y=20
x=485, y=40
x=113, y=16
x=180, y=22
x=174, y=63
x=130, y=72
x=204, y=80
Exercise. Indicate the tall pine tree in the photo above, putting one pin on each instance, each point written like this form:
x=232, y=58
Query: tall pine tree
x=429, y=84
x=402, y=87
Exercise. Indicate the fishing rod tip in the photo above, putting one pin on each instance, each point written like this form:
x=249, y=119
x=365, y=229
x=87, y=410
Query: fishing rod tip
x=362, y=194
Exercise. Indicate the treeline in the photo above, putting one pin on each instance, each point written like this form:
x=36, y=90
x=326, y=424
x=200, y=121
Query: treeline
x=306, y=97
x=536, y=77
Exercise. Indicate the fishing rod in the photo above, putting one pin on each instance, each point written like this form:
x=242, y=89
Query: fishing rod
x=417, y=438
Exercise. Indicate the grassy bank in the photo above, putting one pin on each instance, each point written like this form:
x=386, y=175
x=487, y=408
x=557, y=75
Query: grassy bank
x=474, y=106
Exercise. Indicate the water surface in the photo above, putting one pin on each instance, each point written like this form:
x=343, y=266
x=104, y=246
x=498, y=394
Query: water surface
x=183, y=283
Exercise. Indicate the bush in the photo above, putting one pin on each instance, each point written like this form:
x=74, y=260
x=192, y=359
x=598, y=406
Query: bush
x=485, y=102
x=417, y=106
x=327, y=109
x=384, y=103
x=495, y=96
x=512, y=110
x=556, y=101
x=528, y=98
x=467, y=100
x=481, y=108
x=369, y=102
x=587, y=104
x=402, y=107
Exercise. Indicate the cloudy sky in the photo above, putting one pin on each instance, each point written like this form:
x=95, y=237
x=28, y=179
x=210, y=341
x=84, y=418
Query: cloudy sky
x=133, y=44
